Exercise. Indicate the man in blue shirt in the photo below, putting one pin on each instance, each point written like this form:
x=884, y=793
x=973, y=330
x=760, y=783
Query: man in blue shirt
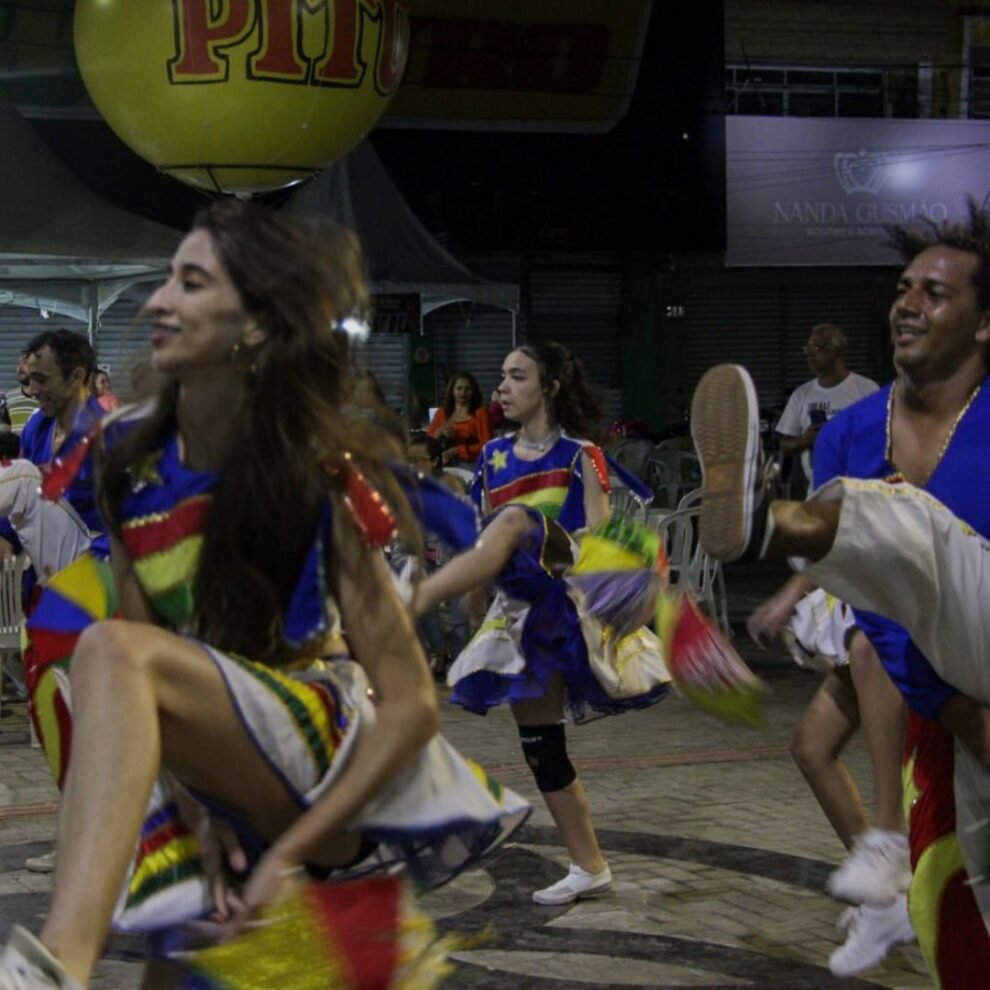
x=60, y=365
x=927, y=430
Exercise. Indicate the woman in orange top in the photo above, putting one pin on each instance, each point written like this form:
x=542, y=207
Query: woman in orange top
x=462, y=423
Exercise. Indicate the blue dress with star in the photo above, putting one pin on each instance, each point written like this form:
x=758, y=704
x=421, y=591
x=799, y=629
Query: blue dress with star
x=538, y=626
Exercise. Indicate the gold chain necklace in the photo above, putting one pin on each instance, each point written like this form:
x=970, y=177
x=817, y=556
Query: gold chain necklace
x=889, y=449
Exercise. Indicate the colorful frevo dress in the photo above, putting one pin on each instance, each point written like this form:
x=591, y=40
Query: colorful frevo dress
x=440, y=816
x=550, y=615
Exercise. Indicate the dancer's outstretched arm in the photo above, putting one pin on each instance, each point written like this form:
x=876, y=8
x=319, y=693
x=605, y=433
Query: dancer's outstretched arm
x=477, y=566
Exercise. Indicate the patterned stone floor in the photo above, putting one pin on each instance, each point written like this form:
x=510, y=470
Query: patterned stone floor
x=718, y=849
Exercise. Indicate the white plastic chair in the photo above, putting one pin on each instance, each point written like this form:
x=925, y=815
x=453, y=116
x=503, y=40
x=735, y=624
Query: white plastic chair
x=622, y=500
x=692, y=498
x=11, y=608
x=691, y=569
x=673, y=473
x=633, y=453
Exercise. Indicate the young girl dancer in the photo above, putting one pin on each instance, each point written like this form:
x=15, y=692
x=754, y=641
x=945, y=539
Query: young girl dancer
x=244, y=534
x=535, y=650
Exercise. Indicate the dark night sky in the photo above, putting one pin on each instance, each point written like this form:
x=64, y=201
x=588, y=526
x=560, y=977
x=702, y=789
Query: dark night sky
x=656, y=181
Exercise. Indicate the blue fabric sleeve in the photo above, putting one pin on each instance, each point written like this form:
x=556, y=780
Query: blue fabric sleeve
x=830, y=457
x=32, y=440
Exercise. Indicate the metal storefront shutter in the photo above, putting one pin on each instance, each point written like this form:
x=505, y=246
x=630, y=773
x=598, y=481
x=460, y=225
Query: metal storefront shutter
x=580, y=306
x=473, y=338
x=122, y=339
x=18, y=324
x=386, y=355
x=857, y=300
x=760, y=318
x=736, y=316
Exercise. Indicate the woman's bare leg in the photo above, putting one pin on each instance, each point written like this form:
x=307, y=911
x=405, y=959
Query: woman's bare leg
x=142, y=699
x=882, y=714
x=476, y=566
x=818, y=739
x=569, y=807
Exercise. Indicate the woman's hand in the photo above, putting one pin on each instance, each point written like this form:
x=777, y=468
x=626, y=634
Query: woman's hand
x=220, y=852
x=272, y=880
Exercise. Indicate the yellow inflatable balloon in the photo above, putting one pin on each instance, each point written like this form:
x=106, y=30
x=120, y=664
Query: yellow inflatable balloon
x=241, y=96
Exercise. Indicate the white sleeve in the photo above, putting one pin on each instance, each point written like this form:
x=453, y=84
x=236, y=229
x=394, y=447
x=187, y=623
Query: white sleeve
x=789, y=424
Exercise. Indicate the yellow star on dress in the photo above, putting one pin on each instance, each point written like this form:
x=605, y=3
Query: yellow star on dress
x=499, y=460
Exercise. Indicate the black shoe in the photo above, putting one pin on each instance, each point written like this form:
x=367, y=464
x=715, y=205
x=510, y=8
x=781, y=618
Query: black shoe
x=736, y=480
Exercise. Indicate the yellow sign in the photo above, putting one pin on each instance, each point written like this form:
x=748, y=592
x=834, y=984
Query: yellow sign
x=241, y=95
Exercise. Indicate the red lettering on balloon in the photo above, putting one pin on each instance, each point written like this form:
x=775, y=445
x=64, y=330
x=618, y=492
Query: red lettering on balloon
x=199, y=35
x=203, y=28
x=281, y=44
x=341, y=63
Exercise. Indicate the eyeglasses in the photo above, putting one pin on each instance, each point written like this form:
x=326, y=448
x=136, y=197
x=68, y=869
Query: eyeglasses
x=810, y=349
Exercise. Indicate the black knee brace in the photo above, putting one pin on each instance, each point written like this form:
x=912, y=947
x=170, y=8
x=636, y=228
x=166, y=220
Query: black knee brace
x=545, y=749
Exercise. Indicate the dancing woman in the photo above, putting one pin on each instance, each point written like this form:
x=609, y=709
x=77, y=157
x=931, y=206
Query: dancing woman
x=244, y=531
x=534, y=650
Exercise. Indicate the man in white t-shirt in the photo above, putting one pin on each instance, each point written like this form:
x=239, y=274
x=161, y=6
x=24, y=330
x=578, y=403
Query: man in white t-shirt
x=832, y=389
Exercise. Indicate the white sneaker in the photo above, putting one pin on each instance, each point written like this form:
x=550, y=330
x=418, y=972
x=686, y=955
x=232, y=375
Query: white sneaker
x=873, y=932
x=578, y=883
x=876, y=871
x=27, y=965
x=45, y=863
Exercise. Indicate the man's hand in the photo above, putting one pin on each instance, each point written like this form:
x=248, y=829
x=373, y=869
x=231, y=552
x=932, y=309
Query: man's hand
x=771, y=617
x=803, y=441
x=7, y=552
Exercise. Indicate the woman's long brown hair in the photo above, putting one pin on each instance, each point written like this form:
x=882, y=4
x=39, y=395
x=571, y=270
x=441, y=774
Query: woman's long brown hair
x=293, y=434
x=474, y=402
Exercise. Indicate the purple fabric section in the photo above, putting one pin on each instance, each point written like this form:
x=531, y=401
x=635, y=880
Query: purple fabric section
x=552, y=643
x=617, y=598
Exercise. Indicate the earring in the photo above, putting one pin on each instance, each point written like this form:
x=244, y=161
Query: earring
x=235, y=350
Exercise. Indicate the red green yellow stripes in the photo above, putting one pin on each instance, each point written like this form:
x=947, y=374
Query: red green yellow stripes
x=544, y=491
x=168, y=853
x=165, y=549
x=161, y=530
x=312, y=708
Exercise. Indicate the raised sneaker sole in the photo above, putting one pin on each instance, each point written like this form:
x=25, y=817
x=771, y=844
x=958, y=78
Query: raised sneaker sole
x=725, y=427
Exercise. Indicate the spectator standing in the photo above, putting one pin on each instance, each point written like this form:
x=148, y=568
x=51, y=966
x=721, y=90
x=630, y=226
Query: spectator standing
x=816, y=401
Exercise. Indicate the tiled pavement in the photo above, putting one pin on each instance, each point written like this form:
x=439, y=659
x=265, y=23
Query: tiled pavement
x=718, y=850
